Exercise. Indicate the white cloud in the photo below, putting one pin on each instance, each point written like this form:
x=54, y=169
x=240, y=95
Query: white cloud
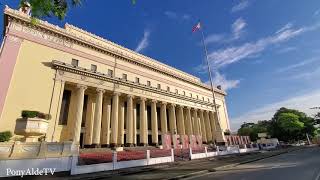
x=287, y=49
x=171, y=14
x=302, y=103
x=213, y=38
x=144, y=43
x=176, y=16
x=308, y=75
x=220, y=79
x=317, y=12
x=241, y=6
x=285, y=27
x=234, y=54
x=237, y=28
x=297, y=65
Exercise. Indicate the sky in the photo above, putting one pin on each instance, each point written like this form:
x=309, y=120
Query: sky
x=265, y=54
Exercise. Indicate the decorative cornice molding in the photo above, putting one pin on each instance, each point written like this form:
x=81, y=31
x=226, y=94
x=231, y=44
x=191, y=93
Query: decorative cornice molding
x=56, y=34
x=88, y=73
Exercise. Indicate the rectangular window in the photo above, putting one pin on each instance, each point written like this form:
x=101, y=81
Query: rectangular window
x=197, y=97
x=202, y=98
x=159, y=86
x=184, y=93
x=64, y=112
x=208, y=100
x=177, y=92
x=148, y=83
x=190, y=94
x=93, y=67
x=110, y=72
x=137, y=80
x=124, y=77
x=168, y=88
x=75, y=63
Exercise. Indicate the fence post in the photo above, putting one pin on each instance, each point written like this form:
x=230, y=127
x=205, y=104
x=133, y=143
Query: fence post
x=190, y=151
x=206, y=151
x=172, y=155
x=114, y=159
x=148, y=156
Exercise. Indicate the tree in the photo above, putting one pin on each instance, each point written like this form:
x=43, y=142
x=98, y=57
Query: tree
x=47, y=8
x=252, y=129
x=291, y=124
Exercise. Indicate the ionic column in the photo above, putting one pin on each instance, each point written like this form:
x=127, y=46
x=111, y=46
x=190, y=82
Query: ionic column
x=121, y=123
x=143, y=122
x=180, y=116
x=203, y=127
x=163, y=117
x=134, y=131
x=188, y=121
x=114, y=119
x=172, y=119
x=79, y=111
x=129, y=128
x=154, y=122
x=97, y=118
x=208, y=126
x=106, y=120
x=196, y=129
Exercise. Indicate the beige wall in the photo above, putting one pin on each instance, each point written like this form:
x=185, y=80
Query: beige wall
x=33, y=85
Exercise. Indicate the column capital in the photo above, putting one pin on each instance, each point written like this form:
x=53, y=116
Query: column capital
x=172, y=104
x=130, y=96
x=188, y=107
x=143, y=99
x=100, y=90
x=163, y=103
x=81, y=86
x=116, y=93
x=181, y=106
x=154, y=101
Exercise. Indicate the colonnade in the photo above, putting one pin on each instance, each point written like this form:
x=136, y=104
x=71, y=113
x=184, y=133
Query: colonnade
x=110, y=119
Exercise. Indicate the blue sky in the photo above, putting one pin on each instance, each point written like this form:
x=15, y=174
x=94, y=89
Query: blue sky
x=266, y=54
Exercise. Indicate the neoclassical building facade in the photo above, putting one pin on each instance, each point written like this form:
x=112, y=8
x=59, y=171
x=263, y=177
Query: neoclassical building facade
x=99, y=93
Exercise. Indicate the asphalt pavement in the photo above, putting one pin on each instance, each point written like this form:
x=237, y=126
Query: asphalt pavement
x=303, y=164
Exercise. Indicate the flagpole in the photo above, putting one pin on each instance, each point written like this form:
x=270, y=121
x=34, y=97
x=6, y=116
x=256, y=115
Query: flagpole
x=210, y=76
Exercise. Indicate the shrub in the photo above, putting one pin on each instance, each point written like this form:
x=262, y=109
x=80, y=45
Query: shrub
x=33, y=114
x=5, y=136
x=29, y=114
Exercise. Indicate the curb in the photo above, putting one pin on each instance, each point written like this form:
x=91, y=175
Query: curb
x=226, y=166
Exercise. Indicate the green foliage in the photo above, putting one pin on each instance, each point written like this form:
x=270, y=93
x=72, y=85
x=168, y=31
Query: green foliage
x=5, y=136
x=29, y=114
x=286, y=125
x=290, y=122
x=47, y=8
x=252, y=129
x=35, y=114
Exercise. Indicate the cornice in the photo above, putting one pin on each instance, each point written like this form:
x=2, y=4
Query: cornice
x=144, y=61
x=101, y=76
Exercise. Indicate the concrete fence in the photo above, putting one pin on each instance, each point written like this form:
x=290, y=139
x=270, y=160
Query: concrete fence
x=115, y=164
x=65, y=157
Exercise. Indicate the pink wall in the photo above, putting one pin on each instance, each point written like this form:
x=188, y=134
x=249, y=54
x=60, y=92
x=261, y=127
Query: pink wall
x=8, y=58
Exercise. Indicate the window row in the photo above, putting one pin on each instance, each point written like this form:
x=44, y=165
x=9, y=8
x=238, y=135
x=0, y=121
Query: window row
x=110, y=73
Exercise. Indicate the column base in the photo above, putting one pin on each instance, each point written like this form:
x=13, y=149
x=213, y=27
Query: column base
x=105, y=145
x=129, y=145
x=89, y=146
x=155, y=144
x=143, y=144
x=96, y=145
x=113, y=145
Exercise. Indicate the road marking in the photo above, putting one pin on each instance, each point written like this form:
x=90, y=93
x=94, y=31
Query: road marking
x=318, y=176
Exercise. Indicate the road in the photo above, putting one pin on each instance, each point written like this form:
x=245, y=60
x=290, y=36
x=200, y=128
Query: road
x=298, y=165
